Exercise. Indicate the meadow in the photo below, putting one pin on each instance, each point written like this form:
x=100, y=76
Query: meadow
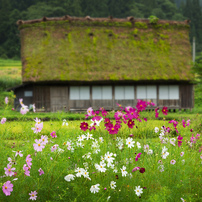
x=62, y=160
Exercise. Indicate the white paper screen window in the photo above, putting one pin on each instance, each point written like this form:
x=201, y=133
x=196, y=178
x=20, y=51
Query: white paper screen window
x=174, y=92
x=163, y=92
x=74, y=92
x=84, y=93
x=97, y=92
x=141, y=92
x=28, y=93
x=151, y=92
x=106, y=92
x=129, y=93
x=119, y=93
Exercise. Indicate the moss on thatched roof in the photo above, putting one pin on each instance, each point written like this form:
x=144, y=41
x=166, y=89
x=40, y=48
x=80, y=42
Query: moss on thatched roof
x=85, y=49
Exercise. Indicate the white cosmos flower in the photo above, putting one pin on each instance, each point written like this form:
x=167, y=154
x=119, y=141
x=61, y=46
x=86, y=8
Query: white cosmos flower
x=130, y=142
x=113, y=184
x=124, y=172
x=150, y=152
x=81, y=137
x=79, y=171
x=161, y=168
x=138, y=145
x=86, y=174
x=138, y=191
x=172, y=141
x=95, y=188
x=101, y=167
x=101, y=139
x=89, y=136
x=65, y=123
x=69, y=177
x=156, y=129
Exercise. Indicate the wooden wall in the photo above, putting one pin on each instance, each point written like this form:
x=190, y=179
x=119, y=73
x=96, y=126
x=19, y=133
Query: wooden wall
x=57, y=98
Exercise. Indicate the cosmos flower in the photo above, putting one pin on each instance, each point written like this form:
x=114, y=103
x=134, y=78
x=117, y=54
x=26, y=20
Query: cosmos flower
x=84, y=126
x=3, y=120
x=41, y=172
x=69, y=177
x=179, y=140
x=28, y=160
x=9, y=170
x=7, y=188
x=18, y=153
x=38, y=146
x=33, y=195
x=113, y=184
x=130, y=123
x=95, y=188
x=165, y=111
x=53, y=134
x=172, y=162
x=130, y=142
x=138, y=156
x=138, y=191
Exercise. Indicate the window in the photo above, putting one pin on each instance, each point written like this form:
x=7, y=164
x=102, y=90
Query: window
x=124, y=93
x=168, y=92
x=146, y=92
x=28, y=93
x=102, y=92
x=79, y=93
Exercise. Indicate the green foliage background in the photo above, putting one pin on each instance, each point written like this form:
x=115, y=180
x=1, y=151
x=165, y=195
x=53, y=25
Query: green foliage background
x=11, y=11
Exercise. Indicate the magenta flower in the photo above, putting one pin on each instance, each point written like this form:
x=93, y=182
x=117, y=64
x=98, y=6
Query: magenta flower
x=7, y=188
x=26, y=169
x=197, y=136
x=174, y=123
x=179, y=140
x=165, y=110
x=149, y=103
x=107, y=122
x=113, y=129
x=38, y=127
x=41, y=172
x=145, y=119
x=33, y=195
x=135, y=169
x=28, y=160
x=132, y=113
x=183, y=123
x=84, y=126
x=138, y=156
x=188, y=122
x=104, y=112
x=141, y=105
x=3, y=120
x=130, y=123
x=38, y=146
x=9, y=170
x=119, y=106
x=156, y=112
x=6, y=100
x=53, y=134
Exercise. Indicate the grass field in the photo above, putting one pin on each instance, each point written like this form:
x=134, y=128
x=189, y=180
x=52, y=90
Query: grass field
x=77, y=166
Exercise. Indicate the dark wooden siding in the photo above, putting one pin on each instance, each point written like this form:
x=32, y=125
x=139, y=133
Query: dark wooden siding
x=186, y=95
x=59, y=98
x=42, y=98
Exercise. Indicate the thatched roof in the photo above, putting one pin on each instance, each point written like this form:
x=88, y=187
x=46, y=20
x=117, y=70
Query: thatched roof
x=97, y=49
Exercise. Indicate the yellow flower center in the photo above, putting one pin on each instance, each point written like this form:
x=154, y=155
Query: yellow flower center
x=84, y=125
x=140, y=105
x=137, y=190
x=130, y=123
x=42, y=139
x=9, y=170
x=112, y=128
x=128, y=142
x=5, y=187
x=32, y=194
x=39, y=144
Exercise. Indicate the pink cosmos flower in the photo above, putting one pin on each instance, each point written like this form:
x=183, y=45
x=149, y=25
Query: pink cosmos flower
x=28, y=160
x=26, y=169
x=44, y=139
x=135, y=169
x=149, y=103
x=141, y=105
x=41, y=172
x=92, y=127
x=38, y=121
x=9, y=170
x=53, y=134
x=96, y=117
x=172, y=162
x=7, y=188
x=24, y=109
x=138, y=156
x=188, y=122
x=165, y=110
x=6, y=100
x=13, y=109
x=84, y=126
x=130, y=123
x=132, y=113
x=182, y=153
x=33, y=195
x=21, y=101
x=104, y=112
x=38, y=127
x=54, y=147
x=18, y=153
x=38, y=146
x=3, y=120
x=179, y=140
x=90, y=111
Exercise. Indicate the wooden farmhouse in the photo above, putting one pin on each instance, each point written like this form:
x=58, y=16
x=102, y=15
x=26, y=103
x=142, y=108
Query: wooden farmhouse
x=73, y=63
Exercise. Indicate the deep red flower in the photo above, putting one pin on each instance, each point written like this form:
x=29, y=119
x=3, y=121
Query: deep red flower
x=165, y=110
x=84, y=126
x=130, y=123
x=142, y=170
x=107, y=122
x=156, y=112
